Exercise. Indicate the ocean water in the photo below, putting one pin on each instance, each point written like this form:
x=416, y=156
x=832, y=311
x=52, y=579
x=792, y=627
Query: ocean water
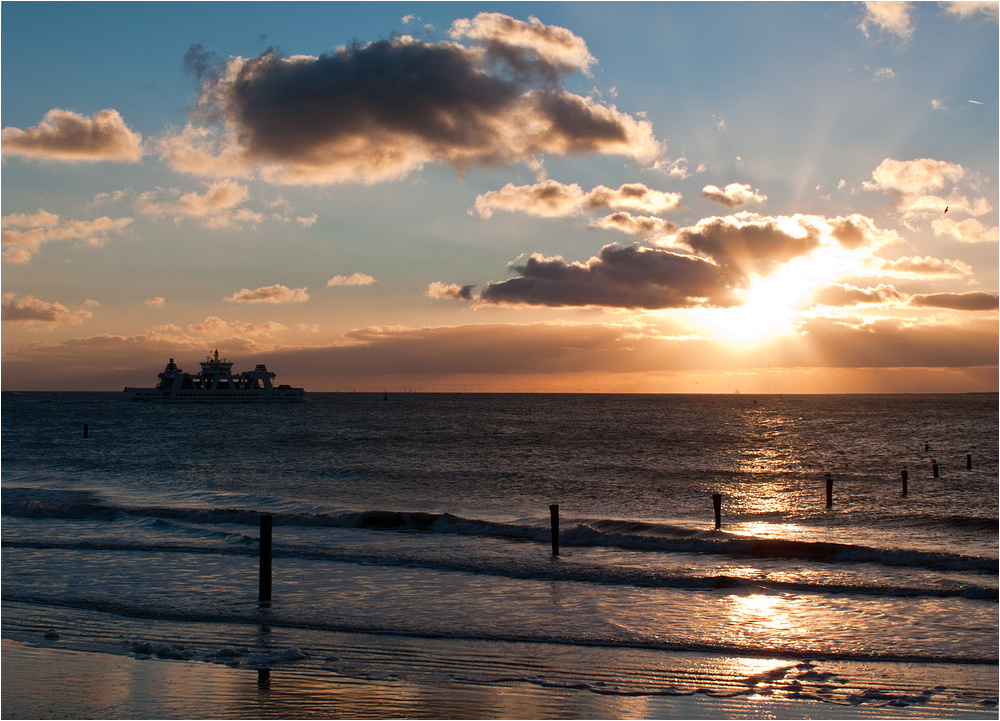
x=412, y=540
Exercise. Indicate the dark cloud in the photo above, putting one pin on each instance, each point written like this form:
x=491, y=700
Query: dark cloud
x=620, y=277
x=973, y=300
x=751, y=243
x=381, y=110
x=201, y=63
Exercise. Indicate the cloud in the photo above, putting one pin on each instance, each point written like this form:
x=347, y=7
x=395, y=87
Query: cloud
x=553, y=199
x=923, y=267
x=733, y=195
x=676, y=167
x=938, y=104
x=649, y=355
x=527, y=47
x=849, y=295
x=269, y=294
x=914, y=177
x=30, y=310
x=749, y=243
x=215, y=208
x=620, y=277
x=219, y=328
x=642, y=225
x=914, y=183
x=884, y=74
x=157, y=302
x=966, y=231
x=354, y=279
x=699, y=266
x=70, y=137
x=23, y=234
x=972, y=300
x=890, y=16
x=307, y=221
x=968, y=8
x=449, y=291
x=382, y=110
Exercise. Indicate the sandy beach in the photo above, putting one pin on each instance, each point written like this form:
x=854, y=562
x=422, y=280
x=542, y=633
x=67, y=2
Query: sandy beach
x=57, y=683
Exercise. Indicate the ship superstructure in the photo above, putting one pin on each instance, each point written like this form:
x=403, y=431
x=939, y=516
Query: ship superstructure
x=216, y=383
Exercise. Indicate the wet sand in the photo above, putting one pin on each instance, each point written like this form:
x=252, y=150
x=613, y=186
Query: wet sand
x=53, y=683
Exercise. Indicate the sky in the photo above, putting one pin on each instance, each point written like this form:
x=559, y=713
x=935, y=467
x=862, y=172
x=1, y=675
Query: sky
x=649, y=197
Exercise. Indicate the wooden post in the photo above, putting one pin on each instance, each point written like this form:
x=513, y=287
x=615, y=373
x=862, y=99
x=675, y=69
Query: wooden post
x=86, y=430
x=934, y=468
x=829, y=490
x=264, y=596
x=717, y=505
x=927, y=446
x=968, y=461
x=554, y=514
x=905, y=474
x=263, y=678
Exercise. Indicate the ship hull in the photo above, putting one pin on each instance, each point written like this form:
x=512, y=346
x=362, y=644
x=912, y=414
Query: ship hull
x=154, y=395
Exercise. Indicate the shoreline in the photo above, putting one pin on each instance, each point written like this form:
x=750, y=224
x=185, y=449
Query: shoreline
x=59, y=683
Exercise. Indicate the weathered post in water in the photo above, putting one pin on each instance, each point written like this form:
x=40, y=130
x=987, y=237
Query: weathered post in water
x=968, y=461
x=934, y=468
x=86, y=430
x=554, y=514
x=717, y=505
x=905, y=475
x=829, y=490
x=264, y=596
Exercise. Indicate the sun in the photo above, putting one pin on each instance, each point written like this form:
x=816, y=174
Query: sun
x=771, y=304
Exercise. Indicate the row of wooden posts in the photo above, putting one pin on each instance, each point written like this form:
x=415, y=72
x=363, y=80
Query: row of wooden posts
x=267, y=521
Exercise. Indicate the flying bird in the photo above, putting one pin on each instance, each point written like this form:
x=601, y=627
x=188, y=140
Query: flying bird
x=945, y=210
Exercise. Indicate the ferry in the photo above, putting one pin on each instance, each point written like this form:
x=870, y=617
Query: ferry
x=216, y=384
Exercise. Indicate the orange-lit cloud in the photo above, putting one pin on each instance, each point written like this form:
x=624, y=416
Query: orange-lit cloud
x=270, y=294
x=379, y=111
x=505, y=354
x=553, y=199
x=527, y=47
x=969, y=230
x=215, y=208
x=849, y=295
x=353, y=279
x=639, y=225
x=33, y=311
x=970, y=8
x=449, y=291
x=733, y=195
x=890, y=16
x=915, y=185
x=70, y=137
x=923, y=267
x=23, y=234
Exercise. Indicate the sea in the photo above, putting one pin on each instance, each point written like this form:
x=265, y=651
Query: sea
x=412, y=541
